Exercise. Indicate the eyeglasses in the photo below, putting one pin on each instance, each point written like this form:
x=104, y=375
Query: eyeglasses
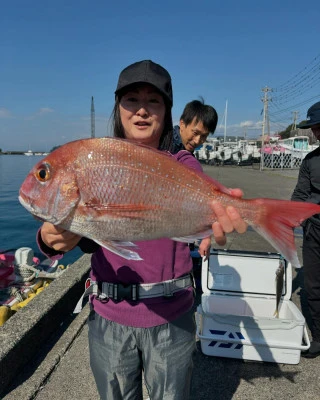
x=202, y=135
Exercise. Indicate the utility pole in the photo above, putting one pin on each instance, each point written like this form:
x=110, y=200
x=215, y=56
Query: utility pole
x=92, y=119
x=225, y=122
x=265, y=121
x=245, y=132
x=295, y=117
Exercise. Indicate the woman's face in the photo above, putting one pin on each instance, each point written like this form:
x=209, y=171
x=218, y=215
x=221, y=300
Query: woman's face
x=142, y=113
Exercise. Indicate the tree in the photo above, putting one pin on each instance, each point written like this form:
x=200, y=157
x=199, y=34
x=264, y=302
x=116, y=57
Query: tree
x=54, y=148
x=286, y=133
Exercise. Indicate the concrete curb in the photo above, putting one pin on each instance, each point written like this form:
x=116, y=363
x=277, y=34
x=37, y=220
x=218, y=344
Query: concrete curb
x=33, y=383
x=24, y=333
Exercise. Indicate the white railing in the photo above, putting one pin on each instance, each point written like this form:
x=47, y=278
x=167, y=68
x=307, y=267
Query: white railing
x=277, y=159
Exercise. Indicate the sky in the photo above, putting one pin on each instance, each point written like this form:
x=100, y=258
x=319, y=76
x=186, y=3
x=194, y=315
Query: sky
x=55, y=55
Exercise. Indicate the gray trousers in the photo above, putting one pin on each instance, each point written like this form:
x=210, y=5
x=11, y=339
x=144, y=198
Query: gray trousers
x=119, y=355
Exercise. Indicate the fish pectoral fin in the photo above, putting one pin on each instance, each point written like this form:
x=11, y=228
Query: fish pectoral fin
x=119, y=249
x=185, y=239
x=121, y=210
x=193, y=238
x=124, y=244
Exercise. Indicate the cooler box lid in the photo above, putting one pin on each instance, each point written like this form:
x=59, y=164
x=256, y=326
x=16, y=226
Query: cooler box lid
x=239, y=273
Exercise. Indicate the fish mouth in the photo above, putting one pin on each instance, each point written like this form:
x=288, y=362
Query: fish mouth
x=33, y=210
x=25, y=204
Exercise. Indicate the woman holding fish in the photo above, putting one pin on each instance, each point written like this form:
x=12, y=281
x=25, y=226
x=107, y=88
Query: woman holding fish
x=145, y=322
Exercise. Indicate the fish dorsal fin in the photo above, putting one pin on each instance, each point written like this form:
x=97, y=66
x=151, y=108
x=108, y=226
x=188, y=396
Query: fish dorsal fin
x=157, y=151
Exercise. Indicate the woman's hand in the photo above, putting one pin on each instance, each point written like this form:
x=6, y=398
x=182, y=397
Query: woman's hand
x=228, y=220
x=204, y=247
x=57, y=238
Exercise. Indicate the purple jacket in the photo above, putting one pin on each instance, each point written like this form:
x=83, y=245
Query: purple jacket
x=163, y=259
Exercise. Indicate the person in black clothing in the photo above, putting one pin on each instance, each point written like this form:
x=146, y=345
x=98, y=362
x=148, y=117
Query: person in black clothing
x=308, y=189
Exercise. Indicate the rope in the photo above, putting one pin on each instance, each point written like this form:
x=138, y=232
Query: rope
x=27, y=273
x=17, y=294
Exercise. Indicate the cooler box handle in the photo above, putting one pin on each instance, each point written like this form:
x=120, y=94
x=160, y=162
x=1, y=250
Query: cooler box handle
x=306, y=339
x=258, y=343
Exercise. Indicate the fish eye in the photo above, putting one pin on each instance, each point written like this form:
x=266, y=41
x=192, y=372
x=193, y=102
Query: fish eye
x=43, y=173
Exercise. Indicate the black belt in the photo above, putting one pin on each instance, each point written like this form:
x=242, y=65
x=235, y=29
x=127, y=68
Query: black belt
x=135, y=291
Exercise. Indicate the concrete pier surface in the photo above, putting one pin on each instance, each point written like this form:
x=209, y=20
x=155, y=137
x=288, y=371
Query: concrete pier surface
x=44, y=349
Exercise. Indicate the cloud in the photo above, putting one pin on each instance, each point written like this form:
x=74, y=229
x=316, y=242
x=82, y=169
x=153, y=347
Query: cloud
x=5, y=113
x=247, y=124
x=244, y=128
x=42, y=111
x=45, y=110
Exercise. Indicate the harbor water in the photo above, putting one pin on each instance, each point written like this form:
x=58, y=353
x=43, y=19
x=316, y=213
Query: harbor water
x=18, y=227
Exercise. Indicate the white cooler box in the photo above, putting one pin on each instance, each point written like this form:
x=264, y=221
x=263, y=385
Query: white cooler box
x=235, y=318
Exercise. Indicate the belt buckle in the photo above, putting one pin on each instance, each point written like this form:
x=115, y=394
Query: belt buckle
x=125, y=292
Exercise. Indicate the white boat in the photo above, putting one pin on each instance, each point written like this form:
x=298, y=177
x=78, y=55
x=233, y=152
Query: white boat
x=297, y=146
x=226, y=151
x=287, y=153
x=246, y=150
x=203, y=152
x=207, y=151
x=28, y=153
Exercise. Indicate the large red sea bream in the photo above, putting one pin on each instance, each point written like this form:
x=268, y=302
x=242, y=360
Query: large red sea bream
x=116, y=192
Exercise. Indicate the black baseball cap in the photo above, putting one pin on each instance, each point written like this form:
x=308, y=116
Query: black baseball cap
x=146, y=71
x=313, y=116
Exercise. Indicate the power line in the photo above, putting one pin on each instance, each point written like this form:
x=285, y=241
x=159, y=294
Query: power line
x=296, y=105
x=295, y=93
x=299, y=90
x=303, y=72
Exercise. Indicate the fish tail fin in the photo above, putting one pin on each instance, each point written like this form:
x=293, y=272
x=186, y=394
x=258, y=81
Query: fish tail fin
x=277, y=218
